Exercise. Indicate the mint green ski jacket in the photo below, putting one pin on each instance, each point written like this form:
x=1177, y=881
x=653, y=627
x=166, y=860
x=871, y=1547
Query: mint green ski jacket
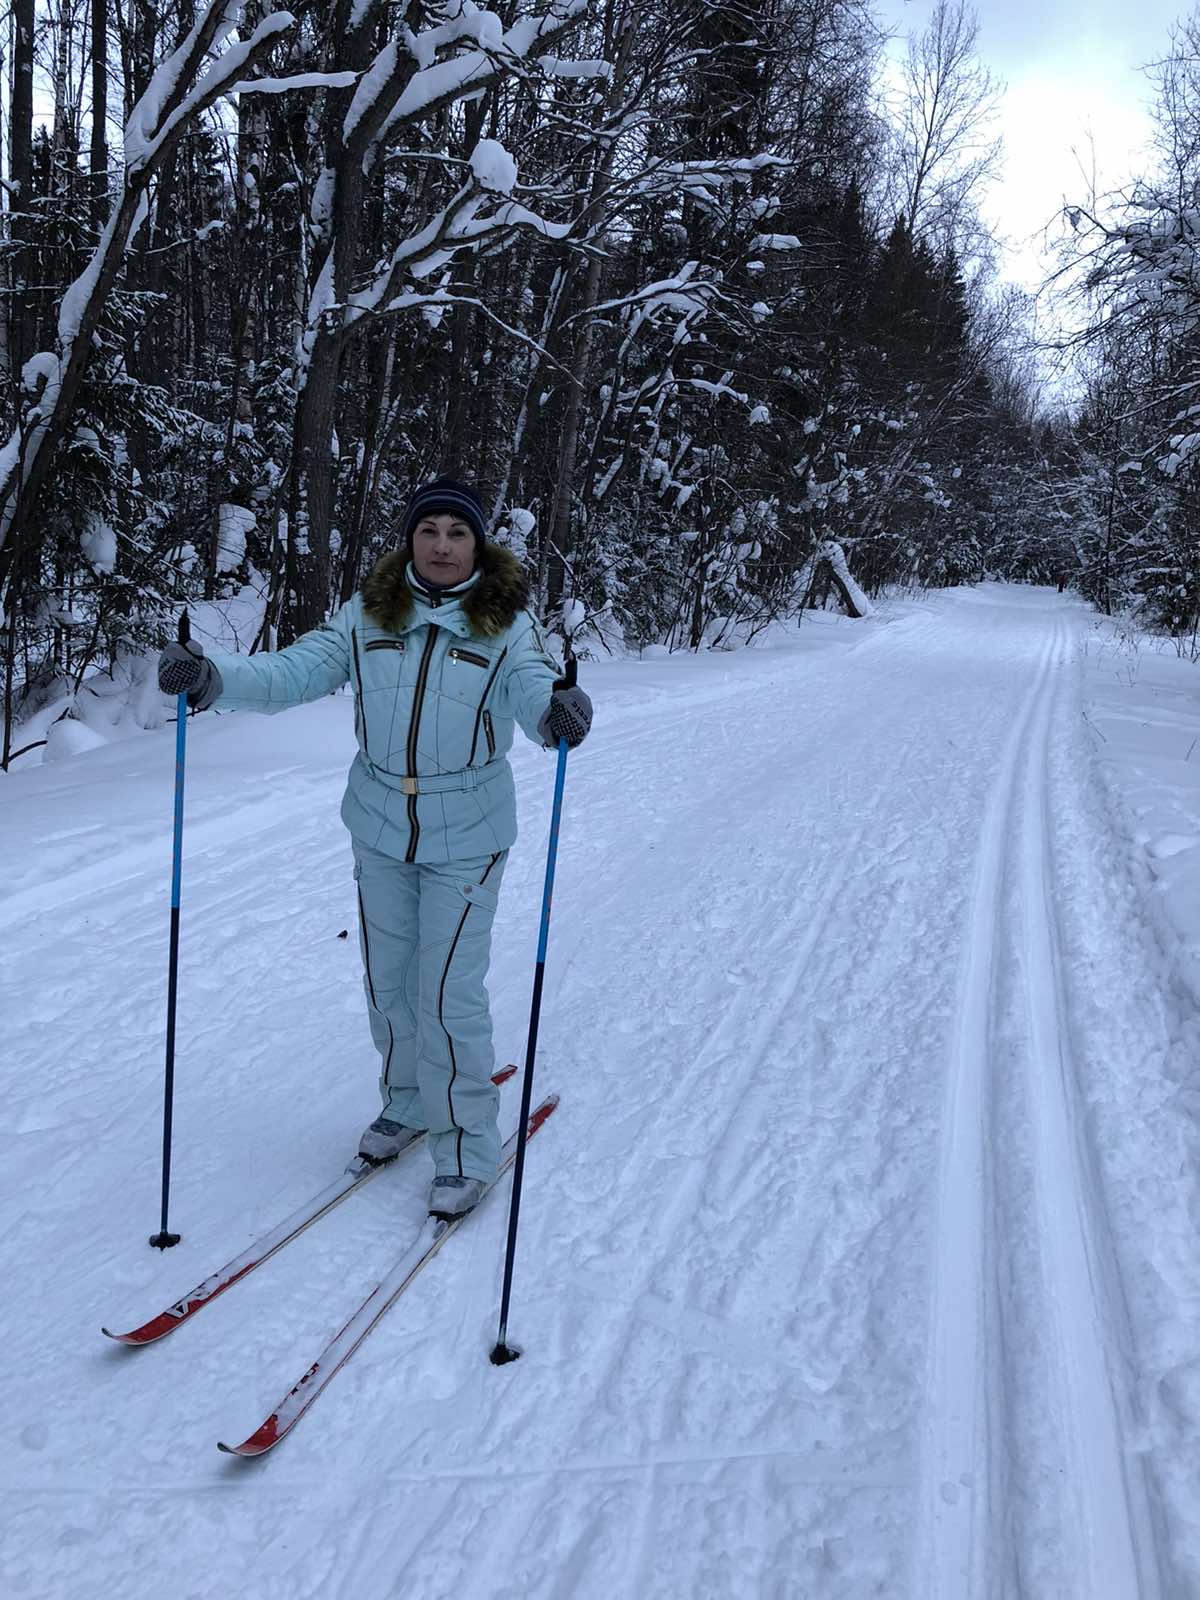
x=438, y=687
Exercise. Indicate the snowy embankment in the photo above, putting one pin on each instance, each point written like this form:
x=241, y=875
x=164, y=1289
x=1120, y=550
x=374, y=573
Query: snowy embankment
x=1143, y=703
x=859, y=1259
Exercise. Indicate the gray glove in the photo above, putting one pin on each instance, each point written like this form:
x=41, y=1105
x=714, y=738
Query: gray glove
x=184, y=669
x=568, y=716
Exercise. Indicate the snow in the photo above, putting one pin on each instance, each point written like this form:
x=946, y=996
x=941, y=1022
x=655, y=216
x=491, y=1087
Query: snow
x=719, y=390
x=233, y=524
x=459, y=225
x=42, y=371
x=370, y=85
x=457, y=75
x=493, y=167
x=146, y=115
x=320, y=301
x=521, y=523
x=148, y=138
x=605, y=480
x=67, y=738
x=300, y=80
x=860, y=1254
x=99, y=544
x=555, y=67
x=320, y=211
x=832, y=552
x=1143, y=709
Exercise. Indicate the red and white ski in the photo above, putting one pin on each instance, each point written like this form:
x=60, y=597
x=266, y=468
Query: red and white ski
x=263, y=1248
x=343, y=1344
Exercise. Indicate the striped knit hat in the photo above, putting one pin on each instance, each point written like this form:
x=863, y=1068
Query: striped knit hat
x=444, y=494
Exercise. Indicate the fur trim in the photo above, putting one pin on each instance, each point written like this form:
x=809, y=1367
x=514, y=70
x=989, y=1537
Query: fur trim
x=491, y=606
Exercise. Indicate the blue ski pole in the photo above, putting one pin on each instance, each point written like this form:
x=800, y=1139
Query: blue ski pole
x=163, y=1239
x=503, y=1351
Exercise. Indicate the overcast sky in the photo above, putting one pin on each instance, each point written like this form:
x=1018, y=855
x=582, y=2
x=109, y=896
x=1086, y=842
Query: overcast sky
x=1072, y=71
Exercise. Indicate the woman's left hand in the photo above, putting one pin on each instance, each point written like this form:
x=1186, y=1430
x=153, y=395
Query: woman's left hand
x=568, y=716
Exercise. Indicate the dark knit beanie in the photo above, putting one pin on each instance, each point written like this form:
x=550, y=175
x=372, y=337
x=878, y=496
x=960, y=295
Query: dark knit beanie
x=445, y=494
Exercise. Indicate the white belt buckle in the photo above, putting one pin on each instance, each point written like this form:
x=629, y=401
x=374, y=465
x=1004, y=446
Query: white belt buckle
x=409, y=786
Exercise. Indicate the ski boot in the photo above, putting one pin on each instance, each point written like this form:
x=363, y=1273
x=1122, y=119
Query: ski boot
x=450, y=1198
x=384, y=1140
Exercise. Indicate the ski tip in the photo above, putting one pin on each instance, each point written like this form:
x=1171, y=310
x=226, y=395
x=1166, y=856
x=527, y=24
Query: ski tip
x=148, y=1333
x=504, y=1074
x=244, y=1451
x=131, y=1341
x=259, y=1442
x=547, y=1109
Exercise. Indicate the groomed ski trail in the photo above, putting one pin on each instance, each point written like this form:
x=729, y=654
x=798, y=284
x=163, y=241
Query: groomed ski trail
x=969, y=1543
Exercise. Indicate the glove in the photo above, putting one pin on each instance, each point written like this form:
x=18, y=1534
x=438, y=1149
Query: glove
x=184, y=669
x=568, y=716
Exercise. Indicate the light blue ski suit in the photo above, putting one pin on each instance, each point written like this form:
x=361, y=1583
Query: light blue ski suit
x=430, y=806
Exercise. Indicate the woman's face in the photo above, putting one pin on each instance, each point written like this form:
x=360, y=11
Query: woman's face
x=443, y=548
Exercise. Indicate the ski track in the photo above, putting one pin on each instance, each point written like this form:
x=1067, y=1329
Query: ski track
x=1000, y=1465
x=815, y=1030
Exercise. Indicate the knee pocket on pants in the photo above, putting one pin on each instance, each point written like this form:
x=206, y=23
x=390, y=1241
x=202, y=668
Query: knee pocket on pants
x=481, y=895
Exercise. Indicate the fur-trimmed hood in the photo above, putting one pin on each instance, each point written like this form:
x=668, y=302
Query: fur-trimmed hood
x=491, y=606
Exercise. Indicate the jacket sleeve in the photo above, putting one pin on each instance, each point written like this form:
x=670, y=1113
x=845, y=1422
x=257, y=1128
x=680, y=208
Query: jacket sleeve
x=316, y=665
x=530, y=673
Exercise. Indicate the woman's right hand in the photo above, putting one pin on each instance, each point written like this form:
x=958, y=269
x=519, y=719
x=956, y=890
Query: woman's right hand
x=184, y=669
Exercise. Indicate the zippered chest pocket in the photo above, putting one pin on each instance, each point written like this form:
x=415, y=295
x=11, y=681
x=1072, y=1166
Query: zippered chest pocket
x=381, y=662
x=466, y=675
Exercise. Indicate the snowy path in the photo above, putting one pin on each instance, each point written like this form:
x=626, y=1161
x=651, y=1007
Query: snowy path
x=1015, y=1017
x=828, y=1260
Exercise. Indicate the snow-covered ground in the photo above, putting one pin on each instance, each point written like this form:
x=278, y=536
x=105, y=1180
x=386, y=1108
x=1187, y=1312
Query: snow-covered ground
x=861, y=1257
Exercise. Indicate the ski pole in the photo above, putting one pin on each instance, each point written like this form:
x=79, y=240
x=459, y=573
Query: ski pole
x=163, y=1240
x=503, y=1351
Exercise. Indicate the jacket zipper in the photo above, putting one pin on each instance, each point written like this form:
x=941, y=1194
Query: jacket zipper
x=491, y=737
x=360, y=712
x=414, y=728
x=384, y=644
x=479, y=708
x=469, y=655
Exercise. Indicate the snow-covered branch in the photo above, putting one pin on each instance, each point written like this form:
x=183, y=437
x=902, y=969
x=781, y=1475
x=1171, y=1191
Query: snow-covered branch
x=391, y=92
x=180, y=89
x=461, y=225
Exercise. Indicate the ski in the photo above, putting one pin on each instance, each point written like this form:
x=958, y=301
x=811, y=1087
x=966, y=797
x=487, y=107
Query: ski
x=263, y=1248
x=344, y=1343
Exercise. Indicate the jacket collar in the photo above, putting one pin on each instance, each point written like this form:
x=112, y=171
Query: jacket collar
x=434, y=594
x=486, y=605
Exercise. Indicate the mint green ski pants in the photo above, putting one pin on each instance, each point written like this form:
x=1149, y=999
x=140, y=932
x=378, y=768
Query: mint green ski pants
x=425, y=933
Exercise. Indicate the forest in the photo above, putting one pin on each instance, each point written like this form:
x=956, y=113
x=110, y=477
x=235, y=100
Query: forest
x=703, y=299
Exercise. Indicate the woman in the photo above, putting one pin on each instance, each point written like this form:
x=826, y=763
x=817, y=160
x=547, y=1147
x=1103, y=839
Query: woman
x=444, y=658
